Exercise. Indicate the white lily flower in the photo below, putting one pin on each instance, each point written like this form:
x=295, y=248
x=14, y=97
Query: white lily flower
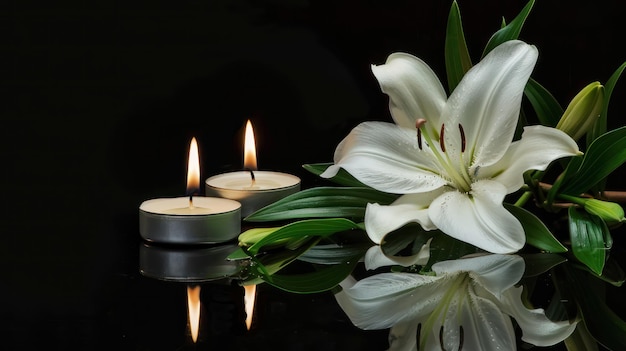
x=456, y=170
x=467, y=305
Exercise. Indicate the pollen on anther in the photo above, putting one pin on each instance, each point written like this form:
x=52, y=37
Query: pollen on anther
x=419, y=123
x=462, y=138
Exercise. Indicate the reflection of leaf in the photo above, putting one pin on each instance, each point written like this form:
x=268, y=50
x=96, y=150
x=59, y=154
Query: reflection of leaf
x=323, y=279
x=540, y=263
x=444, y=247
x=399, y=240
x=581, y=339
x=342, y=178
x=605, y=326
x=537, y=234
x=612, y=273
x=322, y=202
x=456, y=54
x=590, y=238
x=334, y=253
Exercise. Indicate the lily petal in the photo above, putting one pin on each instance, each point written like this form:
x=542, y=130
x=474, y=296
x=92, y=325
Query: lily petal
x=496, y=273
x=380, y=220
x=375, y=257
x=413, y=88
x=480, y=220
x=538, y=147
x=383, y=300
x=487, y=102
x=387, y=158
x=537, y=329
x=485, y=327
x=402, y=336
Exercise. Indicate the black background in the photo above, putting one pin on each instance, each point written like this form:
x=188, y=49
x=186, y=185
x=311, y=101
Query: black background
x=101, y=98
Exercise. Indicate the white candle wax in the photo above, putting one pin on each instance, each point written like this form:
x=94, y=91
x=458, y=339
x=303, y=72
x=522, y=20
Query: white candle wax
x=172, y=220
x=267, y=187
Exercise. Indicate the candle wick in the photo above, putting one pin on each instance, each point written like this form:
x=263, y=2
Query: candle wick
x=251, y=174
x=191, y=201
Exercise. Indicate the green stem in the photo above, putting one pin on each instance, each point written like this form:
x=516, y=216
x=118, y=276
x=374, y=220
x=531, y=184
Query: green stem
x=523, y=199
x=574, y=199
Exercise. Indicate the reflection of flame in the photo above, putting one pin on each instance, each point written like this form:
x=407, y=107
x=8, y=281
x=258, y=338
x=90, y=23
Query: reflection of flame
x=248, y=299
x=193, y=308
x=249, y=149
x=193, y=168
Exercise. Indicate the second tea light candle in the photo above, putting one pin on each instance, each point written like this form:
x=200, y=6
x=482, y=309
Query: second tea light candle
x=267, y=188
x=253, y=189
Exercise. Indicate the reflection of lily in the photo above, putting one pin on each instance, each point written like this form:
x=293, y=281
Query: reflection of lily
x=466, y=306
x=462, y=163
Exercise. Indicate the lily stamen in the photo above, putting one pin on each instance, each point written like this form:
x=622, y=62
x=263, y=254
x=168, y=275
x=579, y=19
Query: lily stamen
x=418, y=335
x=441, y=142
x=418, y=125
x=462, y=137
x=419, y=138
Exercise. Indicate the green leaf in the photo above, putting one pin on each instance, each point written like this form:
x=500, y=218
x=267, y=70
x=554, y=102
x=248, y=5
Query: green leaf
x=572, y=166
x=306, y=228
x=322, y=202
x=603, y=156
x=342, y=178
x=600, y=126
x=590, y=238
x=511, y=31
x=605, y=326
x=334, y=253
x=324, y=279
x=457, y=57
x=545, y=105
x=537, y=234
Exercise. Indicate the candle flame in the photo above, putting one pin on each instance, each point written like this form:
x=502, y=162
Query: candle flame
x=193, y=309
x=249, y=152
x=249, y=299
x=193, y=169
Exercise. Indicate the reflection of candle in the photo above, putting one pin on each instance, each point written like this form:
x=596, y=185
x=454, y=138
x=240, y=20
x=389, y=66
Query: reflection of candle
x=254, y=189
x=188, y=263
x=193, y=219
x=193, y=310
x=249, y=298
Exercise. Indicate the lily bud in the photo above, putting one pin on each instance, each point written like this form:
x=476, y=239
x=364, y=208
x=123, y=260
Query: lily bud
x=583, y=111
x=610, y=212
x=252, y=236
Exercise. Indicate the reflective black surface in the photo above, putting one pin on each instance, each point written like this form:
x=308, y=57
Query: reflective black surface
x=101, y=99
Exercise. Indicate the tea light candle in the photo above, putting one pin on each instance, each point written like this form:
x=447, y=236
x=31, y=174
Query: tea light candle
x=253, y=189
x=193, y=219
